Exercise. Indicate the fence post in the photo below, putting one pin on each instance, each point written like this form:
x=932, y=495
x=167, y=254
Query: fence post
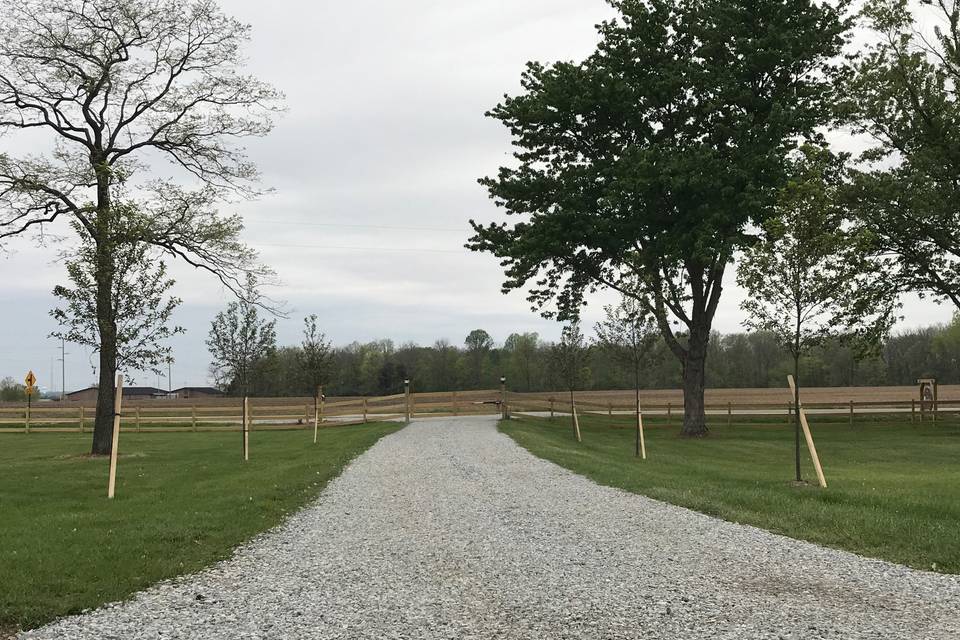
x=729, y=414
x=913, y=409
x=81, y=418
x=789, y=412
x=364, y=411
x=610, y=409
x=851, y=413
x=503, y=398
x=669, y=413
x=138, y=418
x=117, y=406
x=551, y=408
x=456, y=409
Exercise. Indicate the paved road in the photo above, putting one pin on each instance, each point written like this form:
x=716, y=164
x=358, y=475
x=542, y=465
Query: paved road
x=449, y=530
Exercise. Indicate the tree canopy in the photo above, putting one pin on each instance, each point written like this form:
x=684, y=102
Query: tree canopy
x=640, y=168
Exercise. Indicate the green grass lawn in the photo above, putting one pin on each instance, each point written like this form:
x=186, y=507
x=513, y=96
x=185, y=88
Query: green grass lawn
x=184, y=501
x=893, y=488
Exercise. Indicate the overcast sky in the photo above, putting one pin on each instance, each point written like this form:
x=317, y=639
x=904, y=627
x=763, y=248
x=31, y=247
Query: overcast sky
x=375, y=168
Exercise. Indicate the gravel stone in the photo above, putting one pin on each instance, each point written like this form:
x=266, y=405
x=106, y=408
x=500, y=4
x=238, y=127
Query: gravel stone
x=447, y=529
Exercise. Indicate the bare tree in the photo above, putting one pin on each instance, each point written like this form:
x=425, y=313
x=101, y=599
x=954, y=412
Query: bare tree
x=314, y=356
x=114, y=83
x=570, y=361
x=239, y=339
x=142, y=309
x=629, y=332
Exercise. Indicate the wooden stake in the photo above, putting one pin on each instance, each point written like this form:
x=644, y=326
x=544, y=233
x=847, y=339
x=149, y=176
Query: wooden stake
x=364, y=411
x=551, y=408
x=316, y=414
x=669, y=413
x=114, y=449
x=138, y=418
x=643, y=444
x=576, y=422
x=729, y=414
x=81, y=418
x=610, y=409
x=913, y=409
x=851, y=413
x=456, y=409
x=246, y=429
x=806, y=433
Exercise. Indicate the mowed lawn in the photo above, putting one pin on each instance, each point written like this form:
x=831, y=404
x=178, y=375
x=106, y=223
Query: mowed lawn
x=184, y=501
x=893, y=488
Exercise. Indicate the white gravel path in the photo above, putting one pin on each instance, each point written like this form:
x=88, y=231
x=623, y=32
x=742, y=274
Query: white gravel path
x=447, y=529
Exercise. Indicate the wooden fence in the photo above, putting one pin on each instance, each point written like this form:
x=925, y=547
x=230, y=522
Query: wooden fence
x=226, y=414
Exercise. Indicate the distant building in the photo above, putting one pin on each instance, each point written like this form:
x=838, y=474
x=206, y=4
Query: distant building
x=187, y=393
x=129, y=393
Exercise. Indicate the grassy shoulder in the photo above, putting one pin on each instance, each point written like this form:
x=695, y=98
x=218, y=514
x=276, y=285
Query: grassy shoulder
x=894, y=488
x=184, y=501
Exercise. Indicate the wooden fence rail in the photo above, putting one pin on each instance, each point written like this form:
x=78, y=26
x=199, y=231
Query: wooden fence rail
x=298, y=413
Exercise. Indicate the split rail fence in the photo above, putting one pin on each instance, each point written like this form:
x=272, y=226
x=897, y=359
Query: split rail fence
x=226, y=414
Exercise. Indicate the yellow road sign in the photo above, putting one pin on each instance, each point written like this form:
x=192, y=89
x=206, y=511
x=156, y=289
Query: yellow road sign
x=30, y=380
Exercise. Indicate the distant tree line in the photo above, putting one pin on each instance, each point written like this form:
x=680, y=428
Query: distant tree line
x=737, y=360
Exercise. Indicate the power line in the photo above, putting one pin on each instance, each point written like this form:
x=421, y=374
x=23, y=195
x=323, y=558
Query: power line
x=370, y=249
x=362, y=226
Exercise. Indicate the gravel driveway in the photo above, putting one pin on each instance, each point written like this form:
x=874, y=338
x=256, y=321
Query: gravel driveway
x=447, y=529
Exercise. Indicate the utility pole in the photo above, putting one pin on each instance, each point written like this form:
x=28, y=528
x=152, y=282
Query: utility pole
x=63, y=370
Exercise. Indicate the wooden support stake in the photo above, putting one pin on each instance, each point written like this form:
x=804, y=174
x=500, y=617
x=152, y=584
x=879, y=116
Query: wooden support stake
x=316, y=414
x=246, y=429
x=364, y=411
x=576, y=422
x=115, y=446
x=643, y=444
x=551, y=408
x=806, y=433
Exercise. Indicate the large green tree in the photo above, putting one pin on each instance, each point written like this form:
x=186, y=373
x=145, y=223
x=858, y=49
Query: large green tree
x=905, y=94
x=102, y=89
x=646, y=162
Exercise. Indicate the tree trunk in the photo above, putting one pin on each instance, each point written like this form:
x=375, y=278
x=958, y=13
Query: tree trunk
x=636, y=386
x=796, y=411
x=694, y=382
x=106, y=322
